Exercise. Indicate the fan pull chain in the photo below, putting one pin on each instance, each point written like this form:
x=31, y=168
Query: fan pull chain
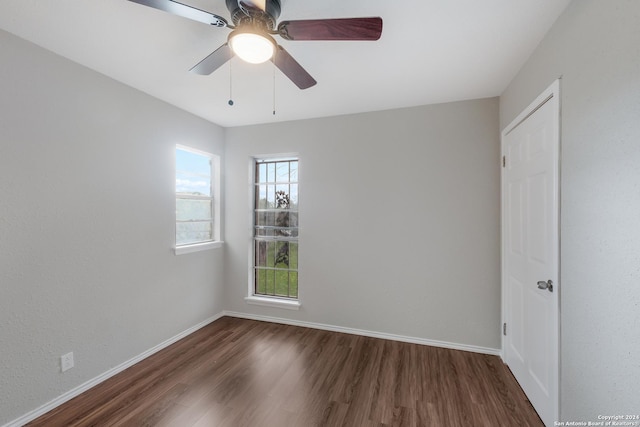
x=274, y=89
x=230, y=85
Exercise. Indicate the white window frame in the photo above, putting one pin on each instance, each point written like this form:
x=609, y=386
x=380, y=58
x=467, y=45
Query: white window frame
x=215, y=241
x=260, y=299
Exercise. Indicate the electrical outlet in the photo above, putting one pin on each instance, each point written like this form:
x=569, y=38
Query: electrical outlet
x=66, y=362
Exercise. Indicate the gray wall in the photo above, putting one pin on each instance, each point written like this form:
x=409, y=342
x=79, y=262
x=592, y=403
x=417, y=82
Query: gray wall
x=595, y=47
x=399, y=216
x=86, y=226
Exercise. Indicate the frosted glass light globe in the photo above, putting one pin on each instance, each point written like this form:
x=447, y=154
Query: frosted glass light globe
x=251, y=47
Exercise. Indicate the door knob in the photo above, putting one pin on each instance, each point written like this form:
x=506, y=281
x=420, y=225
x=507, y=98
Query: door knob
x=548, y=285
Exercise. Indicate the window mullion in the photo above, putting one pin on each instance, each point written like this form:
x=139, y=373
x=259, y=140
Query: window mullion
x=273, y=214
x=196, y=210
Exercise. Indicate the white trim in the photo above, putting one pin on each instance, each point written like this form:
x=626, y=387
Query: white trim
x=30, y=416
x=194, y=150
x=216, y=185
x=274, y=157
x=551, y=93
x=273, y=302
x=259, y=299
x=215, y=197
x=365, y=333
x=197, y=247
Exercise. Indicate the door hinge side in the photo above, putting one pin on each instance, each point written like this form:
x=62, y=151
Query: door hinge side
x=504, y=329
x=504, y=161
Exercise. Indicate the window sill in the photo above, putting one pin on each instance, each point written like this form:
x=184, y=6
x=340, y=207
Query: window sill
x=273, y=302
x=197, y=247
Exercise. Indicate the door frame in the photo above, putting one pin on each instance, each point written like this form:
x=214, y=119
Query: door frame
x=551, y=94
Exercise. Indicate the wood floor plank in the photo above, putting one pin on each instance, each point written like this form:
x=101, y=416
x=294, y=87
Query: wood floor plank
x=237, y=373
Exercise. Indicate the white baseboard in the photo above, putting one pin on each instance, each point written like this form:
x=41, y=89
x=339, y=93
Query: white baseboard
x=116, y=370
x=372, y=334
x=106, y=375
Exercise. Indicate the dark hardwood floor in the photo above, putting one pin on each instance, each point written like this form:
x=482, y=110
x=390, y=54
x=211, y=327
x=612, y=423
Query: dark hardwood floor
x=237, y=372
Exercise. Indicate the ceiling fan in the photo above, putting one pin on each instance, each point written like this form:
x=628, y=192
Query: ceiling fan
x=254, y=24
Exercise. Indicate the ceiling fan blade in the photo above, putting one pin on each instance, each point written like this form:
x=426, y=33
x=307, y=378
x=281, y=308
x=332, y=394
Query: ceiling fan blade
x=332, y=29
x=292, y=69
x=185, y=11
x=214, y=61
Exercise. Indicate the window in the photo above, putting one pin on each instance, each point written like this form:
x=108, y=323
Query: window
x=196, y=207
x=275, y=253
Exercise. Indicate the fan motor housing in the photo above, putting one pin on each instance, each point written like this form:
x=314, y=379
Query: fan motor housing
x=269, y=16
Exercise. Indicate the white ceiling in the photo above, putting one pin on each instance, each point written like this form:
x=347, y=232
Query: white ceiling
x=431, y=51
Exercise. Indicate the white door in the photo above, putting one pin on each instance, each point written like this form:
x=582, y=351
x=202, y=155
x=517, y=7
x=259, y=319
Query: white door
x=530, y=193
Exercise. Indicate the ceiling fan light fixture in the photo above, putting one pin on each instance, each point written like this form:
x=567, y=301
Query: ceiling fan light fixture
x=252, y=47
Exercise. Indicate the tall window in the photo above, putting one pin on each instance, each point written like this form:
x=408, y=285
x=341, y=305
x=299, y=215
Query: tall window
x=195, y=207
x=276, y=228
